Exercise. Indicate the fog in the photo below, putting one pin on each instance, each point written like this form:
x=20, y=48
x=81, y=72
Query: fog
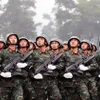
x=53, y=18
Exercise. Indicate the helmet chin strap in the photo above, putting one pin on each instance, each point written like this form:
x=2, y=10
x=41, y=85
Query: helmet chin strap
x=41, y=46
x=13, y=44
x=85, y=49
x=74, y=47
x=56, y=49
x=23, y=46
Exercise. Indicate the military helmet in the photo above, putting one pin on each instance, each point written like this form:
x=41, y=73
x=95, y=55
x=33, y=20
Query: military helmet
x=57, y=40
x=94, y=45
x=23, y=38
x=74, y=37
x=8, y=36
x=1, y=41
x=46, y=42
x=65, y=42
x=32, y=42
x=88, y=42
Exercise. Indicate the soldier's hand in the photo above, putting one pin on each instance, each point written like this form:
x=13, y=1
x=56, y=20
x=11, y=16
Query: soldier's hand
x=68, y=75
x=6, y=74
x=51, y=67
x=21, y=65
x=38, y=76
x=83, y=68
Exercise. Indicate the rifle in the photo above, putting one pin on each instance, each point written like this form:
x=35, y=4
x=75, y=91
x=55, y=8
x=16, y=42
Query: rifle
x=20, y=58
x=83, y=60
x=51, y=60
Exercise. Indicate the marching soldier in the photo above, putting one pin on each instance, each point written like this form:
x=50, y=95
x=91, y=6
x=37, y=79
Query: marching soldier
x=89, y=75
x=23, y=46
x=44, y=85
x=32, y=46
x=2, y=46
x=10, y=88
x=73, y=78
x=65, y=46
x=56, y=46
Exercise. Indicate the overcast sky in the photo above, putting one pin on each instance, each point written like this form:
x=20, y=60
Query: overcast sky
x=42, y=6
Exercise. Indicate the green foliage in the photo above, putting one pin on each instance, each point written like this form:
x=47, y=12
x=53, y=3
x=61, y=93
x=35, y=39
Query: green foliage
x=82, y=19
x=18, y=18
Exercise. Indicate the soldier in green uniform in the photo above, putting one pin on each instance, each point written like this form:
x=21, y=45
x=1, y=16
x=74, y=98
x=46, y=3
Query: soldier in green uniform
x=43, y=83
x=29, y=93
x=65, y=46
x=98, y=76
x=2, y=45
x=89, y=83
x=32, y=46
x=56, y=46
x=72, y=78
x=9, y=87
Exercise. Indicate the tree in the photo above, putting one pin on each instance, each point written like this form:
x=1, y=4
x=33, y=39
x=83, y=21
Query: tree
x=49, y=30
x=81, y=19
x=18, y=18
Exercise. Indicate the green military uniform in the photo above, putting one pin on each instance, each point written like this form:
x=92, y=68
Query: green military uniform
x=62, y=84
x=98, y=77
x=81, y=87
x=89, y=85
x=29, y=92
x=71, y=85
x=46, y=87
x=10, y=88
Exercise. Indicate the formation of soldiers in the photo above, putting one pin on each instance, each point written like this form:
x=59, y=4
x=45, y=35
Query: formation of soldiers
x=42, y=71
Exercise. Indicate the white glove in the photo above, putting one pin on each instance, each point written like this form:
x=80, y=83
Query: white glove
x=51, y=67
x=5, y=74
x=99, y=75
x=38, y=76
x=21, y=65
x=68, y=75
x=83, y=68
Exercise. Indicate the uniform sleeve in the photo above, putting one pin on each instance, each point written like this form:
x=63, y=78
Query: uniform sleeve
x=1, y=60
x=93, y=65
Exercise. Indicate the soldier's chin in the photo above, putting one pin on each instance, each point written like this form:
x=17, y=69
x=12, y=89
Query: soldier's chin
x=1, y=48
x=73, y=46
x=84, y=49
x=13, y=43
x=40, y=45
x=23, y=46
x=54, y=48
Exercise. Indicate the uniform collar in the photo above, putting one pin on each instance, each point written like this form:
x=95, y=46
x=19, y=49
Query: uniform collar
x=11, y=51
x=41, y=51
x=73, y=53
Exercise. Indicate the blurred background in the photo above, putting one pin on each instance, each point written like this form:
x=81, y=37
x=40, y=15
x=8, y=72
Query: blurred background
x=51, y=18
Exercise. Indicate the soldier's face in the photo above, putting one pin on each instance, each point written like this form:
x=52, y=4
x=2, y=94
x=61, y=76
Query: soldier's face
x=84, y=46
x=23, y=43
x=48, y=48
x=41, y=42
x=31, y=46
x=54, y=45
x=65, y=47
x=13, y=39
x=1, y=45
x=74, y=43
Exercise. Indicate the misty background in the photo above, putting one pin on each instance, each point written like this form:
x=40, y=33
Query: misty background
x=51, y=18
